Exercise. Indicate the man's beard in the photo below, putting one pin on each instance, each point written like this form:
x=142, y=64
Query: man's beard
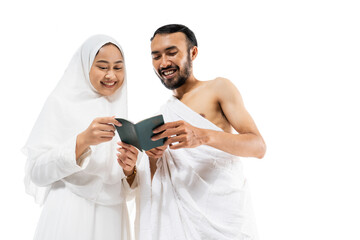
x=179, y=80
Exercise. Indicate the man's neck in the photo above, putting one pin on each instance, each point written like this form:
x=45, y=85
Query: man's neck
x=190, y=83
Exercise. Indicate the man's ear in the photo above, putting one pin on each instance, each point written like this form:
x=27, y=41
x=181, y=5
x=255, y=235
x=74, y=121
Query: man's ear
x=193, y=52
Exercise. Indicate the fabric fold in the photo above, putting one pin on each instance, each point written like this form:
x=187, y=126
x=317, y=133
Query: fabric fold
x=69, y=110
x=198, y=193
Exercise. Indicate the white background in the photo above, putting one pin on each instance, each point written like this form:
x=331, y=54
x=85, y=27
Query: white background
x=296, y=64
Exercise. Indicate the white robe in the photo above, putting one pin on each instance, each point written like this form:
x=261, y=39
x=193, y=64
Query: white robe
x=79, y=202
x=196, y=193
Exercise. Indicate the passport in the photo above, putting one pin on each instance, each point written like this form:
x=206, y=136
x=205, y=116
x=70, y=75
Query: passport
x=139, y=134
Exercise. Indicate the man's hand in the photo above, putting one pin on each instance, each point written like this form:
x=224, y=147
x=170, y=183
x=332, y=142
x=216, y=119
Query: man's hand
x=181, y=133
x=156, y=152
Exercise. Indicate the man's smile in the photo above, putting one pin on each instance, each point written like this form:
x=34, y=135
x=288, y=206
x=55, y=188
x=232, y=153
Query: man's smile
x=168, y=73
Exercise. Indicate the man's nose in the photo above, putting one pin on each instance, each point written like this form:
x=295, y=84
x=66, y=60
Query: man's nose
x=164, y=62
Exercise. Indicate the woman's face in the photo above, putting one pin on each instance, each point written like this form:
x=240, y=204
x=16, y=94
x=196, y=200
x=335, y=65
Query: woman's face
x=107, y=71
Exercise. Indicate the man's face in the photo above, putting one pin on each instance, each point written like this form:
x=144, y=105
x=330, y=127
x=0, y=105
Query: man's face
x=171, y=59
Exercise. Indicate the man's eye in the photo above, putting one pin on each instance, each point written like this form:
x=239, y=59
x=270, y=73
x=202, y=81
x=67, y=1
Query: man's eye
x=156, y=57
x=172, y=53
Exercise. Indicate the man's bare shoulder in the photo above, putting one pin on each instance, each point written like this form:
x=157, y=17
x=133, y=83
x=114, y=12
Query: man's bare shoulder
x=221, y=86
x=219, y=82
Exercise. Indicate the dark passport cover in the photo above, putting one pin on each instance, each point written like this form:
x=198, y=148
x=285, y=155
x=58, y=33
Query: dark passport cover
x=139, y=134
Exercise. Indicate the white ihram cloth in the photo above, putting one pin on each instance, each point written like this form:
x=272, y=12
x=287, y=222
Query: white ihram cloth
x=196, y=193
x=87, y=201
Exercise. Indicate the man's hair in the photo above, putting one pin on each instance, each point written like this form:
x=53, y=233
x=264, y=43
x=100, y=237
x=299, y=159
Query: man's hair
x=174, y=28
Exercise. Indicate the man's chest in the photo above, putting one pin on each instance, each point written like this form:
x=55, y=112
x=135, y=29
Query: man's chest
x=208, y=107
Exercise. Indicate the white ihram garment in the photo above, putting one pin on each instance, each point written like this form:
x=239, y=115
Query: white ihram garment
x=87, y=202
x=196, y=193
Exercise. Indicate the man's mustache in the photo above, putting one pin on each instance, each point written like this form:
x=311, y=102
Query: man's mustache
x=169, y=67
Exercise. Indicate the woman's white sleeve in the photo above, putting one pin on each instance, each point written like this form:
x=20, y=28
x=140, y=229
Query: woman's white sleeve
x=131, y=191
x=58, y=163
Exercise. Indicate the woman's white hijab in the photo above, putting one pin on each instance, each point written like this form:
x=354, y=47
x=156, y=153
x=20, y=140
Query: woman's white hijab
x=69, y=110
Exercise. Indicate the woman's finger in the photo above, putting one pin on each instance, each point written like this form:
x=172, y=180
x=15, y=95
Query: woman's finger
x=128, y=154
x=106, y=134
x=128, y=147
x=106, y=127
x=124, y=166
x=129, y=163
x=108, y=120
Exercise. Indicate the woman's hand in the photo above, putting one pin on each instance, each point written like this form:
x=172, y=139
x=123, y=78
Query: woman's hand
x=100, y=130
x=127, y=157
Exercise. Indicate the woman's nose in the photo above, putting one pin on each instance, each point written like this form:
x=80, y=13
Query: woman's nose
x=110, y=74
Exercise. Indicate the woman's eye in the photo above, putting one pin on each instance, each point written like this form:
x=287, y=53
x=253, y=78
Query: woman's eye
x=102, y=68
x=117, y=68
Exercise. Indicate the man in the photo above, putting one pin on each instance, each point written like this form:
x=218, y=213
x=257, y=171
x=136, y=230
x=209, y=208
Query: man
x=197, y=187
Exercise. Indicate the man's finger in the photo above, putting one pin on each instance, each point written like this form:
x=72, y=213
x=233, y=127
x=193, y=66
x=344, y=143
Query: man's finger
x=167, y=133
x=157, y=151
x=150, y=155
x=162, y=148
x=177, y=146
x=153, y=155
x=175, y=139
x=167, y=126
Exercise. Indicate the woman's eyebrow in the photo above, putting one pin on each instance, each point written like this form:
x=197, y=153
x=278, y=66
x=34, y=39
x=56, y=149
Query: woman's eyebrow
x=104, y=61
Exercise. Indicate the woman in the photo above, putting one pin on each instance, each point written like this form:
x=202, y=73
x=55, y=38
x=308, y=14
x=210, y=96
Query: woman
x=72, y=152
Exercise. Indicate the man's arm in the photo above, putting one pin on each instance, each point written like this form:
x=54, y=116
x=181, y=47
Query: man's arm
x=246, y=143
